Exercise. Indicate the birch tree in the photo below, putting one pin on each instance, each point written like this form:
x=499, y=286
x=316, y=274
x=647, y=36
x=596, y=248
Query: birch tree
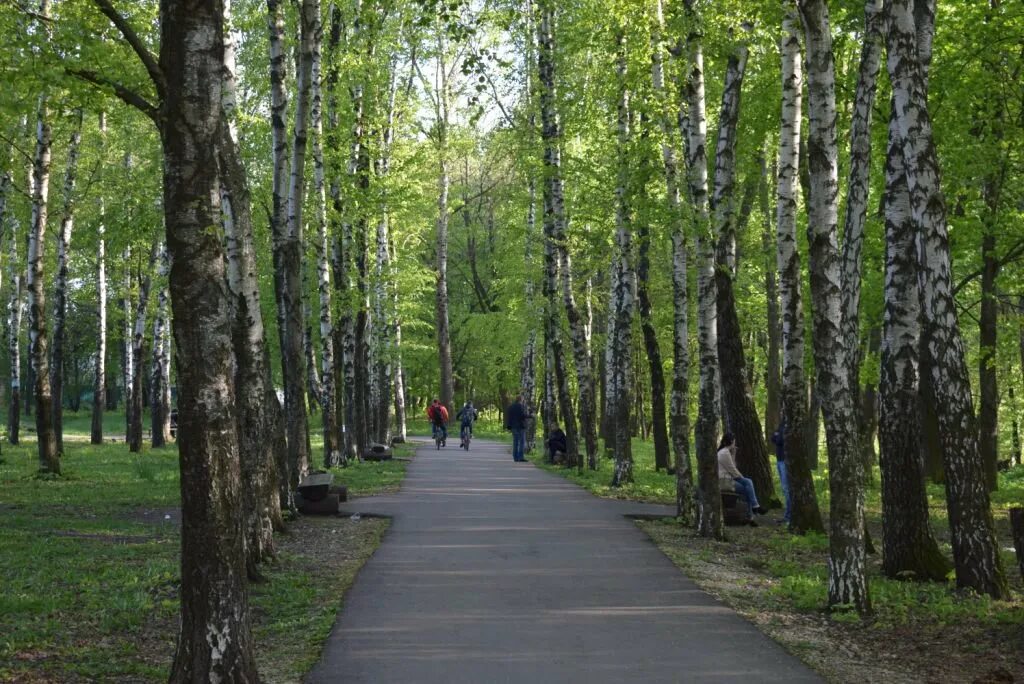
x=160, y=373
x=709, y=501
x=137, y=352
x=60, y=290
x=847, y=584
x=975, y=552
x=804, y=513
x=679, y=419
x=99, y=384
x=49, y=457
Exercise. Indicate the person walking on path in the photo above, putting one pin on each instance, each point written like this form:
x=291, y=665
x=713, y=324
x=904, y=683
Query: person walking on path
x=515, y=420
x=727, y=471
x=778, y=438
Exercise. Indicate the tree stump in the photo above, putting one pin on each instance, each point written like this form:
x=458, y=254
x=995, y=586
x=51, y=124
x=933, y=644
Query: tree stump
x=1017, y=527
x=734, y=509
x=378, y=452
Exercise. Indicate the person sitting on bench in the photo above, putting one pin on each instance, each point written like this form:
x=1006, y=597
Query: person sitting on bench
x=556, y=445
x=731, y=479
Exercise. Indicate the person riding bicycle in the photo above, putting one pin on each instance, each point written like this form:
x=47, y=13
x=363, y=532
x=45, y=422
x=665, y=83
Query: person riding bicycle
x=438, y=415
x=466, y=415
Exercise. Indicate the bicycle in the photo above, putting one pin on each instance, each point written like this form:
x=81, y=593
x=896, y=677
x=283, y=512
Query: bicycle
x=467, y=434
x=438, y=437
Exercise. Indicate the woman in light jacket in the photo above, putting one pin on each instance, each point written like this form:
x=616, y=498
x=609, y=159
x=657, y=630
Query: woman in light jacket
x=729, y=474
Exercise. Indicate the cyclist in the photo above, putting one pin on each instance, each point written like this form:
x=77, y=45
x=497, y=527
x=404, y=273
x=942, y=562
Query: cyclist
x=438, y=415
x=466, y=415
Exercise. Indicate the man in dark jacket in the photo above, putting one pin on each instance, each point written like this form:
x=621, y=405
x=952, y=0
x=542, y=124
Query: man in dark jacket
x=515, y=420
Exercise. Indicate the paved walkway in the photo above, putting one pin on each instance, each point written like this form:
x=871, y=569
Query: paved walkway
x=495, y=571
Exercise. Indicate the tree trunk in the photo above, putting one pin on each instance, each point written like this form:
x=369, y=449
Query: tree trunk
x=160, y=376
x=214, y=639
x=553, y=232
x=14, y=313
x=847, y=571
x=444, y=343
x=49, y=457
x=744, y=422
x=679, y=419
x=99, y=385
x=400, y=399
x=909, y=549
x=858, y=187
x=528, y=363
x=975, y=552
x=328, y=390
x=988, y=331
x=623, y=283
x=137, y=352
x=773, y=362
x=805, y=515
x=60, y=294
x=709, y=500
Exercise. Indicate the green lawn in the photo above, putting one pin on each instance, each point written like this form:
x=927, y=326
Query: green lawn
x=89, y=565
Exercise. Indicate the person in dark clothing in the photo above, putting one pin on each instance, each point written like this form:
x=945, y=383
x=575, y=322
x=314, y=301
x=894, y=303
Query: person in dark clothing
x=779, y=440
x=557, y=443
x=516, y=416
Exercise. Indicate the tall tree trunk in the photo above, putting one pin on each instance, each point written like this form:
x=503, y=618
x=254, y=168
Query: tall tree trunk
x=554, y=212
x=127, y=368
x=975, y=552
x=857, y=205
x=295, y=378
x=215, y=639
x=679, y=419
x=160, y=375
x=328, y=390
x=99, y=384
x=847, y=571
x=744, y=421
x=909, y=549
x=138, y=341
x=804, y=514
x=528, y=362
x=623, y=282
x=60, y=290
x=988, y=337
x=553, y=229
x=773, y=362
x=444, y=343
x=49, y=457
x=709, y=500
x=400, y=401
x=14, y=313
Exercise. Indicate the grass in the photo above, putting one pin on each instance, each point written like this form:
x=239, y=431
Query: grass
x=648, y=486
x=89, y=565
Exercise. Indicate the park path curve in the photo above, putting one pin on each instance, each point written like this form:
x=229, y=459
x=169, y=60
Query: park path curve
x=496, y=571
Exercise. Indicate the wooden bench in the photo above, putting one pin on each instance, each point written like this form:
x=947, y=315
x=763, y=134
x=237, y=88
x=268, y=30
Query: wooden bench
x=318, y=495
x=734, y=509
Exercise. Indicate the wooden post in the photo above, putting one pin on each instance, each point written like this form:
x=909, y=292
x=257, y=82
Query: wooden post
x=1017, y=527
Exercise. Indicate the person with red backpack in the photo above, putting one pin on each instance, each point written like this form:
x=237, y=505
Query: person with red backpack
x=438, y=416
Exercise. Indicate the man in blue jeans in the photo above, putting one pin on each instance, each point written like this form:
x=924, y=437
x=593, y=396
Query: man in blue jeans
x=778, y=438
x=515, y=420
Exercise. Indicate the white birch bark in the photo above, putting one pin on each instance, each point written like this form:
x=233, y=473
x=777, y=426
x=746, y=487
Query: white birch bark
x=160, y=373
x=679, y=421
x=138, y=340
x=847, y=561
x=99, y=386
x=49, y=457
x=623, y=287
x=60, y=290
x=709, y=505
x=14, y=315
x=975, y=552
x=804, y=513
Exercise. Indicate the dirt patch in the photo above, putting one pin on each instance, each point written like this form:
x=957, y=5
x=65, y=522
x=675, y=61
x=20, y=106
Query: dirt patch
x=869, y=651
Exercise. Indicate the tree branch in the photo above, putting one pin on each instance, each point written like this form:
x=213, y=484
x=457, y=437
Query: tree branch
x=1015, y=253
x=125, y=94
x=140, y=48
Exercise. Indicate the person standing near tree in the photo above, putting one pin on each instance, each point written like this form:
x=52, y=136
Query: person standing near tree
x=515, y=420
x=778, y=439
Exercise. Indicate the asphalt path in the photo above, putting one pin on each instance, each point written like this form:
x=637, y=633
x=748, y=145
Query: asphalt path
x=496, y=571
